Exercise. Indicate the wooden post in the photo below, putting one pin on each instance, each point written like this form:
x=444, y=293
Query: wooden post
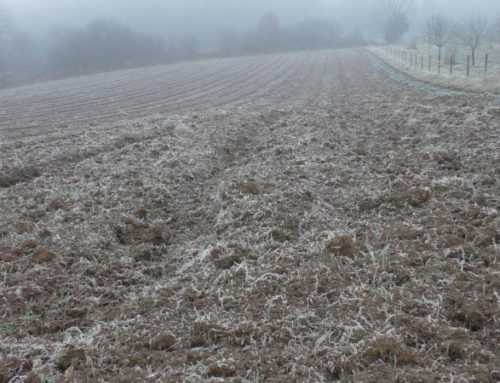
x=451, y=65
x=486, y=63
x=468, y=66
x=422, y=63
x=430, y=60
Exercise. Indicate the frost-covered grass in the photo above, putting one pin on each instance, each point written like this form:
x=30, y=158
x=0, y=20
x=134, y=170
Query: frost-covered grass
x=342, y=227
x=478, y=80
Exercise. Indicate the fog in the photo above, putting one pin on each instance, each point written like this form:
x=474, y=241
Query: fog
x=197, y=17
x=44, y=36
x=165, y=17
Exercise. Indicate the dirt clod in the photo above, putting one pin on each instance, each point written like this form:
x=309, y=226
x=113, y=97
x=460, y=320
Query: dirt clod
x=342, y=245
x=250, y=187
x=473, y=317
x=69, y=357
x=43, y=256
x=279, y=235
x=388, y=349
x=163, y=342
x=221, y=370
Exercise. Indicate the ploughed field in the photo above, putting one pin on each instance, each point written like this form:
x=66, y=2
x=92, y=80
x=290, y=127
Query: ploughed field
x=285, y=218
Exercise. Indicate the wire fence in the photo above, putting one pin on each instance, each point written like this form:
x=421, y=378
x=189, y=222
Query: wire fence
x=483, y=62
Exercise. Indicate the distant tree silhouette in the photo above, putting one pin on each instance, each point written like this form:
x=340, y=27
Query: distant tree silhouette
x=313, y=34
x=393, y=17
x=104, y=45
x=268, y=36
x=19, y=54
x=438, y=31
x=472, y=32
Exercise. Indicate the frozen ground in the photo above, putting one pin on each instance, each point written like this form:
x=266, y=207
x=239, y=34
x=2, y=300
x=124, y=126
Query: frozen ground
x=478, y=82
x=287, y=218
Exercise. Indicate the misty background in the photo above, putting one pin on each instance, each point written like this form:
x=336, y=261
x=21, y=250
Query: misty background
x=49, y=39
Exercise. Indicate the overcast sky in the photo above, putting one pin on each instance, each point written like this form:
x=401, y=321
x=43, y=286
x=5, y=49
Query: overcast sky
x=181, y=17
x=162, y=16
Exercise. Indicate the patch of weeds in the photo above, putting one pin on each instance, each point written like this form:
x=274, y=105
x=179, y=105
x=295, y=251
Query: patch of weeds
x=381, y=259
x=433, y=148
x=389, y=350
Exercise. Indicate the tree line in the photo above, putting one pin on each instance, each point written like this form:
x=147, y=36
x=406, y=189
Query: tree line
x=270, y=36
x=471, y=33
x=437, y=30
x=105, y=45
x=101, y=46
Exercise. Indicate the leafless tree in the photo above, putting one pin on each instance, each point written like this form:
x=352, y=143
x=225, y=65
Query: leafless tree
x=472, y=33
x=393, y=18
x=438, y=32
x=396, y=7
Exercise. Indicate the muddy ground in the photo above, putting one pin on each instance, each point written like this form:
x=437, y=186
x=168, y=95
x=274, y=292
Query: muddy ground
x=334, y=226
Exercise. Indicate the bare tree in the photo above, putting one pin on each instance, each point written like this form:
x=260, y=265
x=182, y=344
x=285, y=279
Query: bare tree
x=472, y=33
x=393, y=16
x=438, y=32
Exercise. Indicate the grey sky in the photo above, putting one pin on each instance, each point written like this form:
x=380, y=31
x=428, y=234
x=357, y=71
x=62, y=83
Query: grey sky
x=202, y=17
x=161, y=16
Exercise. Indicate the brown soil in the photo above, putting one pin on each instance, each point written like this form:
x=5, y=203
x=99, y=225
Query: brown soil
x=300, y=218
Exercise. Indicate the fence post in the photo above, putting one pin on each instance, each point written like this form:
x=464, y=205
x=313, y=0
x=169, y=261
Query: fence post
x=486, y=63
x=430, y=60
x=468, y=66
x=451, y=65
x=422, y=63
x=411, y=60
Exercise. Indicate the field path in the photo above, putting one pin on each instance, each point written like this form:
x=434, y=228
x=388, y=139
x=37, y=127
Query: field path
x=298, y=217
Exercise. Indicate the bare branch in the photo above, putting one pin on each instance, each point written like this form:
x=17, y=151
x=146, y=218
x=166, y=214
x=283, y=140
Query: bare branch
x=473, y=31
x=438, y=31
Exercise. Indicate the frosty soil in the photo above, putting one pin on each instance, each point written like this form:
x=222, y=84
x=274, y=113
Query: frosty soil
x=344, y=232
